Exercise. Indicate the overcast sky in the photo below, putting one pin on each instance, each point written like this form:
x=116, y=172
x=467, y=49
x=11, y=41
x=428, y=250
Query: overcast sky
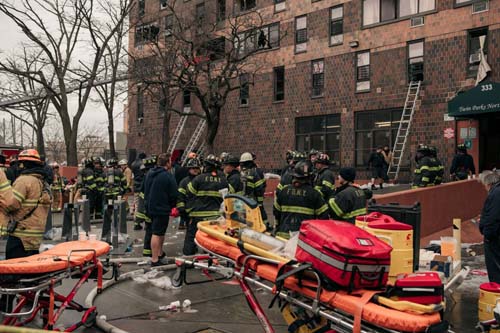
x=94, y=115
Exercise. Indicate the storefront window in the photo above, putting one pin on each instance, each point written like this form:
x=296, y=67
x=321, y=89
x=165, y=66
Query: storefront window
x=374, y=129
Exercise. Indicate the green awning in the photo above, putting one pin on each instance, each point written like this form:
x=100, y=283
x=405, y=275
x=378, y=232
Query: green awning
x=483, y=98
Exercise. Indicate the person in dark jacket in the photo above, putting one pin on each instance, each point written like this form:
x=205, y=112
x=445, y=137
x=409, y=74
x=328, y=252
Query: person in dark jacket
x=182, y=172
x=324, y=181
x=378, y=167
x=230, y=165
x=489, y=226
x=194, y=167
x=254, y=183
x=160, y=195
x=138, y=171
x=438, y=166
x=349, y=200
x=298, y=201
x=462, y=165
x=149, y=164
x=204, y=197
x=425, y=172
x=287, y=176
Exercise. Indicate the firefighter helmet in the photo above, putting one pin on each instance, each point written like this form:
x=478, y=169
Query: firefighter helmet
x=193, y=163
x=298, y=156
x=212, y=160
x=30, y=155
x=422, y=148
x=246, y=157
x=230, y=160
x=112, y=162
x=462, y=147
x=123, y=162
x=54, y=165
x=323, y=159
x=289, y=155
x=303, y=169
x=313, y=152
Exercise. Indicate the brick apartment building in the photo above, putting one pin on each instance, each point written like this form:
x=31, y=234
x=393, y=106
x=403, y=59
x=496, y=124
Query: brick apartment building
x=338, y=77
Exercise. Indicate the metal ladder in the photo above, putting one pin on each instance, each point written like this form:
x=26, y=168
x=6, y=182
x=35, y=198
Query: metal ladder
x=177, y=134
x=404, y=129
x=193, y=141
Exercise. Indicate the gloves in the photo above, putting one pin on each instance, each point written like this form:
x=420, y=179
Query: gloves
x=174, y=212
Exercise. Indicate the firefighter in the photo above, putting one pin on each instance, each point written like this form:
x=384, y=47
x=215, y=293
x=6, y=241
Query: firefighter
x=30, y=207
x=230, y=168
x=260, y=198
x=298, y=201
x=6, y=198
x=425, y=173
x=3, y=162
x=349, y=200
x=148, y=163
x=286, y=178
x=462, y=165
x=194, y=169
x=438, y=166
x=324, y=180
x=254, y=185
x=87, y=184
x=56, y=187
x=288, y=159
x=138, y=171
x=129, y=177
x=100, y=180
x=116, y=186
x=204, y=197
x=312, y=156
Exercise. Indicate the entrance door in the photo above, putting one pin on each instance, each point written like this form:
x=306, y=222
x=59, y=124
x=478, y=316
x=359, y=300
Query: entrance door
x=489, y=141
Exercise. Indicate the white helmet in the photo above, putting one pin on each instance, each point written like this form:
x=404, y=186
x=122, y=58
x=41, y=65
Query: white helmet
x=246, y=157
x=54, y=164
x=122, y=162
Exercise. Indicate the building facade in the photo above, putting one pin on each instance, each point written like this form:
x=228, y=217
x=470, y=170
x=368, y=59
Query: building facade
x=337, y=80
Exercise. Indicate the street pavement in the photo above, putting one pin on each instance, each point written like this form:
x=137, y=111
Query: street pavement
x=133, y=306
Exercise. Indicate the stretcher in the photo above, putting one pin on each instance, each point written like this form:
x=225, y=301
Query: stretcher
x=27, y=285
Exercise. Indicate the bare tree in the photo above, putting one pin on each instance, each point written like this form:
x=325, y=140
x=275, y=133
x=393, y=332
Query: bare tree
x=91, y=142
x=32, y=113
x=58, y=29
x=207, y=61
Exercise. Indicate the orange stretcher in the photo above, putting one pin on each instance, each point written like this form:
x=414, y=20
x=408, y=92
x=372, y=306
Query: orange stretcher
x=27, y=285
x=356, y=304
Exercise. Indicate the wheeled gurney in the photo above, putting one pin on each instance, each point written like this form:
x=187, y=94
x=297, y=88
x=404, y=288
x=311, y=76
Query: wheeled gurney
x=32, y=282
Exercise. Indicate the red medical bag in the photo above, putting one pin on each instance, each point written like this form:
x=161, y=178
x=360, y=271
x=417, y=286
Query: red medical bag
x=422, y=288
x=345, y=254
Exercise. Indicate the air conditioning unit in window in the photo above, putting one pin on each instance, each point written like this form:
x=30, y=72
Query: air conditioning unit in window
x=479, y=7
x=474, y=58
x=140, y=120
x=417, y=21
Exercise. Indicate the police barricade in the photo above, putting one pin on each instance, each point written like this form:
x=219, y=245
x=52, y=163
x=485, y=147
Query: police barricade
x=72, y=213
x=408, y=214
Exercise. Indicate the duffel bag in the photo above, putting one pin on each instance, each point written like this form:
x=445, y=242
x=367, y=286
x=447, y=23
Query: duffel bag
x=345, y=254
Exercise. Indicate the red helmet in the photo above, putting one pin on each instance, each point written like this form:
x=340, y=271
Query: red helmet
x=30, y=155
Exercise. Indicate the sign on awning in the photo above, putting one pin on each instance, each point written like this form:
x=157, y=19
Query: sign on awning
x=483, y=98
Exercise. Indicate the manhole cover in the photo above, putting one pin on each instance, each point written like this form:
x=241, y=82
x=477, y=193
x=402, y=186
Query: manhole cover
x=210, y=330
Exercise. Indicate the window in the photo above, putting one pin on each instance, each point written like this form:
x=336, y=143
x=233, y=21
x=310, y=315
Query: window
x=162, y=105
x=163, y=4
x=416, y=61
x=279, y=5
x=200, y=17
x=186, y=98
x=336, y=25
x=246, y=5
x=267, y=37
x=244, y=89
x=319, y=132
x=301, y=34
x=466, y=2
x=377, y=11
x=221, y=10
x=140, y=104
x=374, y=129
x=474, y=46
x=363, y=71
x=214, y=49
x=318, y=78
x=141, y=7
x=169, y=25
x=279, y=83
x=145, y=33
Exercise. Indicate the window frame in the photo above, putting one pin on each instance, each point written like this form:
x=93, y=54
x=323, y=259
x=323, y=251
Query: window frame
x=161, y=4
x=276, y=92
x=464, y=4
x=141, y=8
x=336, y=131
x=244, y=89
x=140, y=104
x=408, y=57
x=394, y=120
x=185, y=94
x=314, y=75
x=143, y=40
x=331, y=22
x=218, y=16
x=471, y=73
x=296, y=32
x=252, y=34
x=398, y=14
x=246, y=9
x=357, y=54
